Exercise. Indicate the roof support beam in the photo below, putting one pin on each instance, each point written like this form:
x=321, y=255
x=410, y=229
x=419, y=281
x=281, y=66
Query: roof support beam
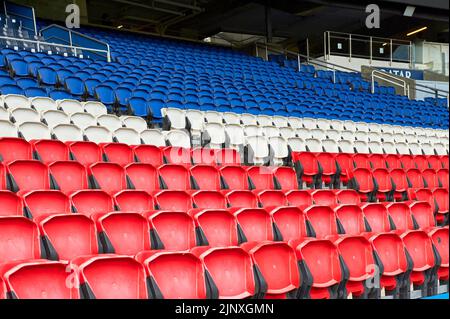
x=150, y=7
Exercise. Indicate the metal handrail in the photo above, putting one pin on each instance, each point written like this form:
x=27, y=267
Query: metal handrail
x=390, y=79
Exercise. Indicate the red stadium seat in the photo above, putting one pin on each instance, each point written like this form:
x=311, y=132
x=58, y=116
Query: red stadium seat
x=123, y=233
x=348, y=197
x=12, y=149
x=133, y=201
x=262, y=177
x=362, y=161
x=242, y=199
x=290, y=222
x=174, y=275
x=301, y=199
x=407, y=162
x=118, y=153
x=174, y=177
x=206, y=177
x=345, y=167
x=39, y=279
x=440, y=240
x=68, y=177
x=203, y=156
x=393, y=161
x=217, y=228
x=11, y=204
x=143, y=177
x=401, y=184
x=323, y=221
x=424, y=195
x=149, y=154
x=110, y=277
x=378, y=161
x=431, y=178
x=227, y=157
x=415, y=178
x=256, y=224
x=357, y=254
x=287, y=178
x=44, y=203
x=363, y=182
x=3, y=184
x=177, y=155
x=269, y=256
x=401, y=216
x=109, y=177
x=352, y=219
x=327, y=162
x=172, y=230
x=423, y=215
x=421, y=162
x=231, y=271
x=209, y=200
x=377, y=218
x=49, y=151
x=434, y=162
x=321, y=270
x=178, y=201
x=391, y=260
x=68, y=236
x=90, y=202
x=308, y=169
x=28, y=176
x=385, y=187
x=235, y=177
x=445, y=161
x=441, y=199
x=86, y=153
x=272, y=198
x=19, y=239
x=443, y=178
x=325, y=197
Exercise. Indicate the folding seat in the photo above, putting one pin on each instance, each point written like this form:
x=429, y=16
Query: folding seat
x=296, y=144
x=424, y=148
x=389, y=148
x=402, y=148
x=231, y=118
x=421, y=162
x=393, y=161
x=262, y=178
x=227, y=157
x=14, y=101
x=22, y=115
x=8, y=129
x=109, y=177
x=272, y=198
x=313, y=145
x=309, y=123
x=443, y=177
x=324, y=197
x=401, y=217
x=253, y=130
x=19, y=238
x=12, y=149
x=232, y=272
x=361, y=147
x=348, y=197
x=4, y=114
x=205, y=177
x=270, y=131
x=400, y=181
x=280, y=121
x=400, y=138
x=134, y=122
x=178, y=139
x=350, y=126
x=173, y=200
x=49, y=151
x=43, y=104
x=38, y=279
x=440, y=149
x=295, y=122
x=348, y=136
x=39, y=204
x=286, y=178
x=34, y=131
x=174, y=118
x=174, y=177
x=361, y=137
x=27, y=175
x=235, y=177
x=415, y=178
x=257, y=150
x=98, y=134
x=308, y=169
x=235, y=136
x=172, y=230
x=346, y=146
x=362, y=161
x=290, y=223
x=110, y=277
x=384, y=185
x=378, y=161
x=91, y=202
x=374, y=137
x=337, y=125
x=352, y=219
x=217, y=228
x=110, y=121
x=242, y=199
x=95, y=108
x=330, y=146
x=318, y=134
x=213, y=117
x=256, y=224
x=434, y=162
x=118, y=153
x=377, y=218
x=133, y=201
x=441, y=198
x=415, y=149
x=67, y=133
x=323, y=222
x=304, y=133
x=209, y=200
x=153, y=137
x=213, y=135
x=431, y=178
x=53, y=118
x=345, y=166
x=321, y=268
x=375, y=147
x=363, y=182
x=440, y=240
x=83, y=120
x=445, y=161
x=70, y=106
x=12, y=204
x=174, y=275
x=265, y=120
x=142, y=176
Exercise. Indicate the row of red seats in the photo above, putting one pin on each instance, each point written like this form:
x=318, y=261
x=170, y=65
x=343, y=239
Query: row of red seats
x=311, y=268
x=88, y=153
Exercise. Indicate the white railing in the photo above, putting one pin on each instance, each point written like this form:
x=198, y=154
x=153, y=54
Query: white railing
x=387, y=77
x=39, y=46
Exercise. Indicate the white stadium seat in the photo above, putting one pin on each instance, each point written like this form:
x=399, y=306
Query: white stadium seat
x=196, y=120
x=4, y=114
x=303, y=133
x=361, y=147
x=387, y=137
x=95, y=108
x=297, y=144
x=374, y=127
x=295, y=122
x=287, y=132
x=346, y=146
x=441, y=149
x=334, y=135
x=253, y=130
x=68, y=133
x=330, y=146
x=257, y=150
x=214, y=134
x=13, y=101
x=361, y=136
x=213, y=117
x=374, y=136
x=153, y=137
x=35, y=131
x=309, y=123
x=402, y=148
x=337, y=125
x=22, y=115
x=176, y=117
x=362, y=127
x=427, y=148
x=271, y=131
x=231, y=118
x=389, y=147
x=350, y=126
x=235, y=135
x=178, y=138
x=127, y=135
x=279, y=150
x=314, y=145
x=323, y=124
x=348, y=135
x=70, y=106
x=98, y=134
x=8, y=129
x=53, y=118
x=399, y=138
x=83, y=120
x=43, y=104
x=265, y=120
x=249, y=119
x=110, y=121
x=280, y=121
x=135, y=122
x=318, y=134
x=375, y=147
